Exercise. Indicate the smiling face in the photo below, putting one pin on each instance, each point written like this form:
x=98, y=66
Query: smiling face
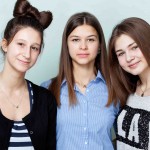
x=130, y=56
x=83, y=45
x=23, y=51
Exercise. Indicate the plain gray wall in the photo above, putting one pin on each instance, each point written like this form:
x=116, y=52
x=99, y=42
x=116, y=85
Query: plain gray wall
x=109, y=13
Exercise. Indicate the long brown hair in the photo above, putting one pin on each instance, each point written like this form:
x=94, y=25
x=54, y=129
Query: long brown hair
x=65, y=64
x=123, y=83
x=25, y=15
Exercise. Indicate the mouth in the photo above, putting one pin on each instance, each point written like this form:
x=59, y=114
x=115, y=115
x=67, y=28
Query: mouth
x=134, y=65
x=24, y=62
x=82, y=55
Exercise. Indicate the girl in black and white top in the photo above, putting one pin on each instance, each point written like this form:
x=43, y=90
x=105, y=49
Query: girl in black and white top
x=129, y=60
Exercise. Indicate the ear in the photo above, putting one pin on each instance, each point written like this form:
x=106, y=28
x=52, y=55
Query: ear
x=4, y=45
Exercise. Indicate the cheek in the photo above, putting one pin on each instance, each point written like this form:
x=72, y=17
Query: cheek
x=73, y=46
x=72, y=49
x=71, y=53
x=94, y=49
x=35, y=56
x=121, y=62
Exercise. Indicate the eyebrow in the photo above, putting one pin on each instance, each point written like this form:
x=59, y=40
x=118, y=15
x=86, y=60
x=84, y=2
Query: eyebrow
x=36, y=44
x=127, y=47
x=25, y=41
x=79, y=36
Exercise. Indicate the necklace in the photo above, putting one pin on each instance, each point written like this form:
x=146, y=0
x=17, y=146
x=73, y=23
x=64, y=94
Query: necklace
x=81, y=84
x=21, y=97
x=143, y=91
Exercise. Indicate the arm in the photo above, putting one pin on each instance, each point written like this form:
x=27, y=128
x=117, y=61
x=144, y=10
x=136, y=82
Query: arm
x=114, y=130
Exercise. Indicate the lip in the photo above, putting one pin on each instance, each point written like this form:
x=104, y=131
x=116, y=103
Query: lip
x=134, y=65
x=24, y=62
x=83, y=55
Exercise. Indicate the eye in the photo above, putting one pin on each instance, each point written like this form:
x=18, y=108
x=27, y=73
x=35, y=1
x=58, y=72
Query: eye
x=21, y=44
x=75, y=40
x=35, y=48
x=91, y=40
x=134, y=47
x=120, y=54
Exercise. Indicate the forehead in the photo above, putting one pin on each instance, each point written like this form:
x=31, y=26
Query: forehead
x=84, y=30
x=28, y=34
x=123, y=42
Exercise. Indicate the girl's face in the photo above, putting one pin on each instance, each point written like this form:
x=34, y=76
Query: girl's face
x=23, y=51
x=130, y=56
x=83, y=45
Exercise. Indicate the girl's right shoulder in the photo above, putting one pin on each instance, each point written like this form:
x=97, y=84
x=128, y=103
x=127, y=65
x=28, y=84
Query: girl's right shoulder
x=46, y=84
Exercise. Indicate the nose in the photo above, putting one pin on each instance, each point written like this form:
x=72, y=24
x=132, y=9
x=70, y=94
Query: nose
x=83, y=45
x=129, y=57
x=27, y=53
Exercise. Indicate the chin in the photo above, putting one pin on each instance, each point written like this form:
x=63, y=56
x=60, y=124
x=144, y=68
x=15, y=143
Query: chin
x=134, y=73
x=22, y=70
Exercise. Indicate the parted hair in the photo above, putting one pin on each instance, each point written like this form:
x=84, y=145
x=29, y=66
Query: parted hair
x=123, y=83
x=26, y=15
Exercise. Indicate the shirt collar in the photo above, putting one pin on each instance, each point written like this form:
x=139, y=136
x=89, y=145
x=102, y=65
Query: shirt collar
x=63, y=82
x=98, y=77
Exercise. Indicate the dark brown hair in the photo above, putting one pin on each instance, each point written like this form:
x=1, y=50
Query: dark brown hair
x=122, y=82
x=65, y=65
x=25, y=15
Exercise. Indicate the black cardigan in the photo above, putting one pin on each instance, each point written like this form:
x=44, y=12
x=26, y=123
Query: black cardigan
x=40, y=122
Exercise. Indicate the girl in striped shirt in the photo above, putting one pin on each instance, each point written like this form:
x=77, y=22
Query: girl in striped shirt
x=27, y=111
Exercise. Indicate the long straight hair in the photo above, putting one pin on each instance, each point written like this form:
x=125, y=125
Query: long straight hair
x=65, y=64
x=123, y=83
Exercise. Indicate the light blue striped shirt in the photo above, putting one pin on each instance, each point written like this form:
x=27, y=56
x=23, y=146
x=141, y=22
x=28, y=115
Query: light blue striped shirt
x=87, y=125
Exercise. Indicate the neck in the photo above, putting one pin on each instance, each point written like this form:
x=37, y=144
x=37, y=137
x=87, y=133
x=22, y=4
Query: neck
x=11, y=82
x=144, y=86
x=145, y=79
x=84, y=75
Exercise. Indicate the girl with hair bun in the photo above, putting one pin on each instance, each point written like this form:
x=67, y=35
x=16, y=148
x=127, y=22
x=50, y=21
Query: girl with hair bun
x=27, y=111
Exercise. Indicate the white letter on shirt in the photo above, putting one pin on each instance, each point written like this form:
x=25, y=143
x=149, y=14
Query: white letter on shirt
x=120, y=122
x=133, y=132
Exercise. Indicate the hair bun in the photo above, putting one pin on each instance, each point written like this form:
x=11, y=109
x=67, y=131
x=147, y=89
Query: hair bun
x=45, y=18
x=24, y=8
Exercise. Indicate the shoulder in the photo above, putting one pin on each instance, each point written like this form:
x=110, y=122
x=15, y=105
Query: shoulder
x=43, y=97
x=46, y=84
x=37, y=87
x=40, y=91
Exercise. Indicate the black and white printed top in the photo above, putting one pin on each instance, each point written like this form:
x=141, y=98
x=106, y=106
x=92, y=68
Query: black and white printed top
x=133, y=124
x=20, y=139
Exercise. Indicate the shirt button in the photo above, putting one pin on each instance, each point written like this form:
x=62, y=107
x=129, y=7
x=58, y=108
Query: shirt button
x=84, y=114
x=86, y=142
x=31, y=132
x=84, y=128
x=87, y=90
